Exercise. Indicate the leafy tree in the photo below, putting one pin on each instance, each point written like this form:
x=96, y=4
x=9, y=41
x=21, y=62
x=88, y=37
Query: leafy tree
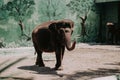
x=82, y=9
x=51, y=9
x=2, y=18
x=3, y=13
x=20, y=10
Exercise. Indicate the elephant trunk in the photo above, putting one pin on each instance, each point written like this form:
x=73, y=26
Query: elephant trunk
x=70, y=46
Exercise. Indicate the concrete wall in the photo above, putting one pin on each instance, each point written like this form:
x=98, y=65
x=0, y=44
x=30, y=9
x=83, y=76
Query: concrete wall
x=111, y=12
x=101, y=1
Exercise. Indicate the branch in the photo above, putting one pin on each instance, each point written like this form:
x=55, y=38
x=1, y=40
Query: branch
x=85, y=17
x=86, y=14
x=59, y=14
x=55, y=9
x=27, y=7
x=47, y=10
x=82, y=18
x=21, y=25
x=17, y=10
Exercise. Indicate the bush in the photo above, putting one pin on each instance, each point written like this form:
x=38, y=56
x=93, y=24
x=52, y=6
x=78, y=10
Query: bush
x=20, y=43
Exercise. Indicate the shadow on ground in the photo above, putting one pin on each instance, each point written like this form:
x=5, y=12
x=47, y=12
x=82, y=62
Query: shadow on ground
x=15, y=78
x=85, y=75
x=10, y=65
x=115, y=63
x=41, y=70
x=104, y=44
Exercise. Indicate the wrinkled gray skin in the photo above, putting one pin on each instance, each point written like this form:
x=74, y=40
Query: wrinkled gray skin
x=53, y=36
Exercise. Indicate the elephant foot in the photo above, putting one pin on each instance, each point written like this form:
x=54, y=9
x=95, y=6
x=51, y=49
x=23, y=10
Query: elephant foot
x=58, y=68
x=39, y=64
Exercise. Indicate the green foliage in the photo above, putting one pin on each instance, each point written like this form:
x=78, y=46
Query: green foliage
x=3, y=13
x=51, y=9
x=20, y=9
x=18, y=43
x=33, y=12
x=81, y=7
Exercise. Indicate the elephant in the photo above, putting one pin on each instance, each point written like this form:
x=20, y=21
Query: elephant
x=113, y=32
x=53, y=36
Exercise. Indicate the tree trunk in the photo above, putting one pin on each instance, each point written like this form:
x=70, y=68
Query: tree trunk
x=22, y=30
x=21, y=27
x=1, y=44
x=83, y=29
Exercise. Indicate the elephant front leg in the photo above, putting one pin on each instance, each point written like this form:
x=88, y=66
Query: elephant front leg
x=39, y=60
x=59, y=57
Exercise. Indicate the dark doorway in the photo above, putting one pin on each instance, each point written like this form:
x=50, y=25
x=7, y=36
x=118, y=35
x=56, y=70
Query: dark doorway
x=119, y=13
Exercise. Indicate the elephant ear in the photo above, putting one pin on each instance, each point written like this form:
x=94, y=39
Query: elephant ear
x=59, y=35
x=53, y=27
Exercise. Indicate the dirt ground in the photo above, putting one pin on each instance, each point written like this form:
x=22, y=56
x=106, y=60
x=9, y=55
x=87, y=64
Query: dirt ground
x=85, y=62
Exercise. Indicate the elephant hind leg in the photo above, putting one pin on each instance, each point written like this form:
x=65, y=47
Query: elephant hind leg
x=39, y=60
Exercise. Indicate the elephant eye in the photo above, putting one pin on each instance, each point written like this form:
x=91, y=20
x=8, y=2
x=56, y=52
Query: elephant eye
x=66, y=31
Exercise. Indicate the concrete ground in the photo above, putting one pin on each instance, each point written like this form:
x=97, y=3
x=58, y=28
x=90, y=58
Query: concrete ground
x=85, y=62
